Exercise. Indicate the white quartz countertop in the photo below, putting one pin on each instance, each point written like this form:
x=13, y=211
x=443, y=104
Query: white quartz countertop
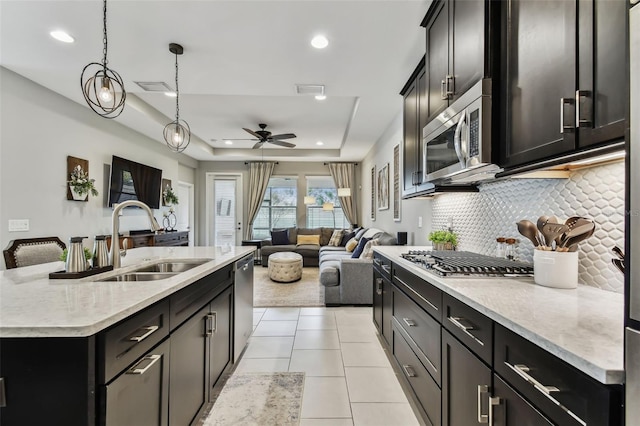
x=32, y=305
x=582, y=326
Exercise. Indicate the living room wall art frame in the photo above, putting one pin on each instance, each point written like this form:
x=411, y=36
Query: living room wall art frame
x=397, y=202
x=383, y=188
x=373, y=193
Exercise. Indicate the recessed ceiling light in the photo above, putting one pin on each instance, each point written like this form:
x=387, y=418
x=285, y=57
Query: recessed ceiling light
x=319, y=143
x=321, y=97
x=319, y=42
x=170, y=94
x=62, y=36
x=228, y=142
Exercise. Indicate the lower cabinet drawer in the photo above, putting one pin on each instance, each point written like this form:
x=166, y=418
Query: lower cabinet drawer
x=424, y=387
x=422, y=329
x=564, y=394
x=125, y=342
x=470, y=327
x=421, y=291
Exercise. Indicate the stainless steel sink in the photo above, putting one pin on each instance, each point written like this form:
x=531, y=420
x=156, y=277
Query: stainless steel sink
x=141, y=276
x=172, y=266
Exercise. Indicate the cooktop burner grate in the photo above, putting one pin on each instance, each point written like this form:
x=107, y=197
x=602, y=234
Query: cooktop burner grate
x=464, y=263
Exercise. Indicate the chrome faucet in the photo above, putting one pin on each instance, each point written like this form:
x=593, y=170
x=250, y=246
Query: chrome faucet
x=114, y=253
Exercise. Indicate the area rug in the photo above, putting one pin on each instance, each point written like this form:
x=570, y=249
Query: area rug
x=259, y=399
x=306, y=292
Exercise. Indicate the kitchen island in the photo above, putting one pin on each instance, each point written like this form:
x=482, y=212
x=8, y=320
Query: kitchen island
x=87, y=351
x=505, y=336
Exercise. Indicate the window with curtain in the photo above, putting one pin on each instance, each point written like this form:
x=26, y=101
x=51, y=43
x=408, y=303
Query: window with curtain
x=278, y=209
x=323, y=189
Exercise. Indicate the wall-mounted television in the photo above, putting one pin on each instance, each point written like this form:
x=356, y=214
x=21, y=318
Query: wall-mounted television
x=134, y=181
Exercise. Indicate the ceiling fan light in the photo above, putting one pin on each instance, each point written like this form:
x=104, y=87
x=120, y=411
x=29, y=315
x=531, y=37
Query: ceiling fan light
x=319, y=41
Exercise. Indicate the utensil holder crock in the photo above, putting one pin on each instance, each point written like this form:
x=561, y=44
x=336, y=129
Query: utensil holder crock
x=555, y=269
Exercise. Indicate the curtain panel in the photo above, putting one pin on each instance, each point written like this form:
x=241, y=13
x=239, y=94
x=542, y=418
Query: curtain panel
x=259, y=175
x=343, y=175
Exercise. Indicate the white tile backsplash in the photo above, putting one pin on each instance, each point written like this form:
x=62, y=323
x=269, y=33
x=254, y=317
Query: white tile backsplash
x=596, y=192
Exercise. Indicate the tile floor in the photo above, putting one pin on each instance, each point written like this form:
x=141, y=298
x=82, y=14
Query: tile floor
x=349, y=380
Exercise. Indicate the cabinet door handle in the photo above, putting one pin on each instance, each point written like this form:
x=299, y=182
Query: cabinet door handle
x=379, y=286
x=563, y=128
x=443, y=90
x=211, y=321
x=492, y=402
x=409, y=322
x=410, y=372
x=148, y=331
x=522, y=371
x=482, y=418
x=450, y=86
x=582, y=122
x=3, y=393
x=149, y=360
x=458, y=322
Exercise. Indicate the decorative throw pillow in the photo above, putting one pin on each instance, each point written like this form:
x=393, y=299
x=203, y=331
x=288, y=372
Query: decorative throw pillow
x=367, y=253
x=346, y=236
x=358, y=251
x=280, y=237
x=336, y=238
x=360, y=233
x=309, y=239
x=351, y=245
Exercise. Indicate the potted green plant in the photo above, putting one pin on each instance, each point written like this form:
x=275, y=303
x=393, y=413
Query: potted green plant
x=169, y=197
x=80, y=184
x=443, y=240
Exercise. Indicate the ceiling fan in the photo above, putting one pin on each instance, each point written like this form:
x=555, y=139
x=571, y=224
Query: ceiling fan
x=263, y=136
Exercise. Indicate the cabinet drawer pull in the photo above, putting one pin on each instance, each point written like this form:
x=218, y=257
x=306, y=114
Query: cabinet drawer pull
x=409, y=322
x=377, y=262
x=563, y=128
x=379, y=286
x=522, y=371
x=434, y=307
x=582, y=122
x=386, y=268
x=492, y=402
x=482, y=418
x=458, y=322
x=148, y=331
x=149, y=359
x=409, y=371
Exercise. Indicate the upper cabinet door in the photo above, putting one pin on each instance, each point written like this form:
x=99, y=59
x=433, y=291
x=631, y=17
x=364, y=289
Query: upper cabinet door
x=467, y=44
x=602, y=78
x=539, y=38
x=411, y=139
x=439, y=81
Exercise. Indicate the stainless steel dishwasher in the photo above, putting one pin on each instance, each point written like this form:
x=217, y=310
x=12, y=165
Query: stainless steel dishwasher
x=243, y=304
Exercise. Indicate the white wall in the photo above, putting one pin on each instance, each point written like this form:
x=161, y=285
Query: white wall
x=283, y=168
x=410, y=210
x=39, y=129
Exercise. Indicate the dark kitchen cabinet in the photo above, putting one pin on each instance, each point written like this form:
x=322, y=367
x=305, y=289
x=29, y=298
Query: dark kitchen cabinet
x=382, y=296
x=219, y=332
x=508, y=408
x=563, y=76
x=457, y=40
x=414, y=119
x=466, y=382
x=140, y=395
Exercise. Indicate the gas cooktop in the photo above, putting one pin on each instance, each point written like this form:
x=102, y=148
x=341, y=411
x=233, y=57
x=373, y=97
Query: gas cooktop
x=448, y=263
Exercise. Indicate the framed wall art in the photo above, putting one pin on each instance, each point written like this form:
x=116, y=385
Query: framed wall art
x=383, y=188
x=397, y=202
x=373, y=193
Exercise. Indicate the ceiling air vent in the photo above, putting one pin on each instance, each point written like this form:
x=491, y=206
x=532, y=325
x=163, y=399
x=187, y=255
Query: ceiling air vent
x=154, y=86
x=310, y=89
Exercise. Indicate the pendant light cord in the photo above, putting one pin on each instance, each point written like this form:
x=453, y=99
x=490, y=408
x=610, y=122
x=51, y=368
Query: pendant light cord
x=104, y=35
x=177, y=92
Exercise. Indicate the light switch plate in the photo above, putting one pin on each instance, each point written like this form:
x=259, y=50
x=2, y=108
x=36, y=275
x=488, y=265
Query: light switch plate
x=18, y=225
x=419, y=221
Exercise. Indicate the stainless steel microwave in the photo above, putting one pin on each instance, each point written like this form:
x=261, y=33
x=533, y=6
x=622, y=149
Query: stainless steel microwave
x=457, y=143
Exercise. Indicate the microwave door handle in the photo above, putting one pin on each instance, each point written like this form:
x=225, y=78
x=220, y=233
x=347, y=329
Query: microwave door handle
x=457, y=139
x=464, y=139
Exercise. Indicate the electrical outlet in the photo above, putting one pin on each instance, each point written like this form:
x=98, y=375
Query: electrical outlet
x=419, y=221
x=18, y=225
x=450, y=223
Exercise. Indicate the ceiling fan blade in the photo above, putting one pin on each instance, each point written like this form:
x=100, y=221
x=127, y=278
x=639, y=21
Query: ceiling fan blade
x=252, y=132
x=282, y=143
x=258, y=145
x=283, y=136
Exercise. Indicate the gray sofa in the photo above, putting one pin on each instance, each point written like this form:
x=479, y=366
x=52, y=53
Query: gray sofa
x=310, y=252
x=349, y=281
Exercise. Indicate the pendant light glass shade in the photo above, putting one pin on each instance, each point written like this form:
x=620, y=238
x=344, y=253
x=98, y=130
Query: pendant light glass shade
x=102, y=87
x=177, y=134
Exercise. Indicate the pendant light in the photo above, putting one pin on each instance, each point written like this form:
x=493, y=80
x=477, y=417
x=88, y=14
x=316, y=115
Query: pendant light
x=177, y=134
x=102, y=87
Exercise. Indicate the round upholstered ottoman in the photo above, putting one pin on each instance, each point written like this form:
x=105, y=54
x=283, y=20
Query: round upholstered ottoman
x=285, y=267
